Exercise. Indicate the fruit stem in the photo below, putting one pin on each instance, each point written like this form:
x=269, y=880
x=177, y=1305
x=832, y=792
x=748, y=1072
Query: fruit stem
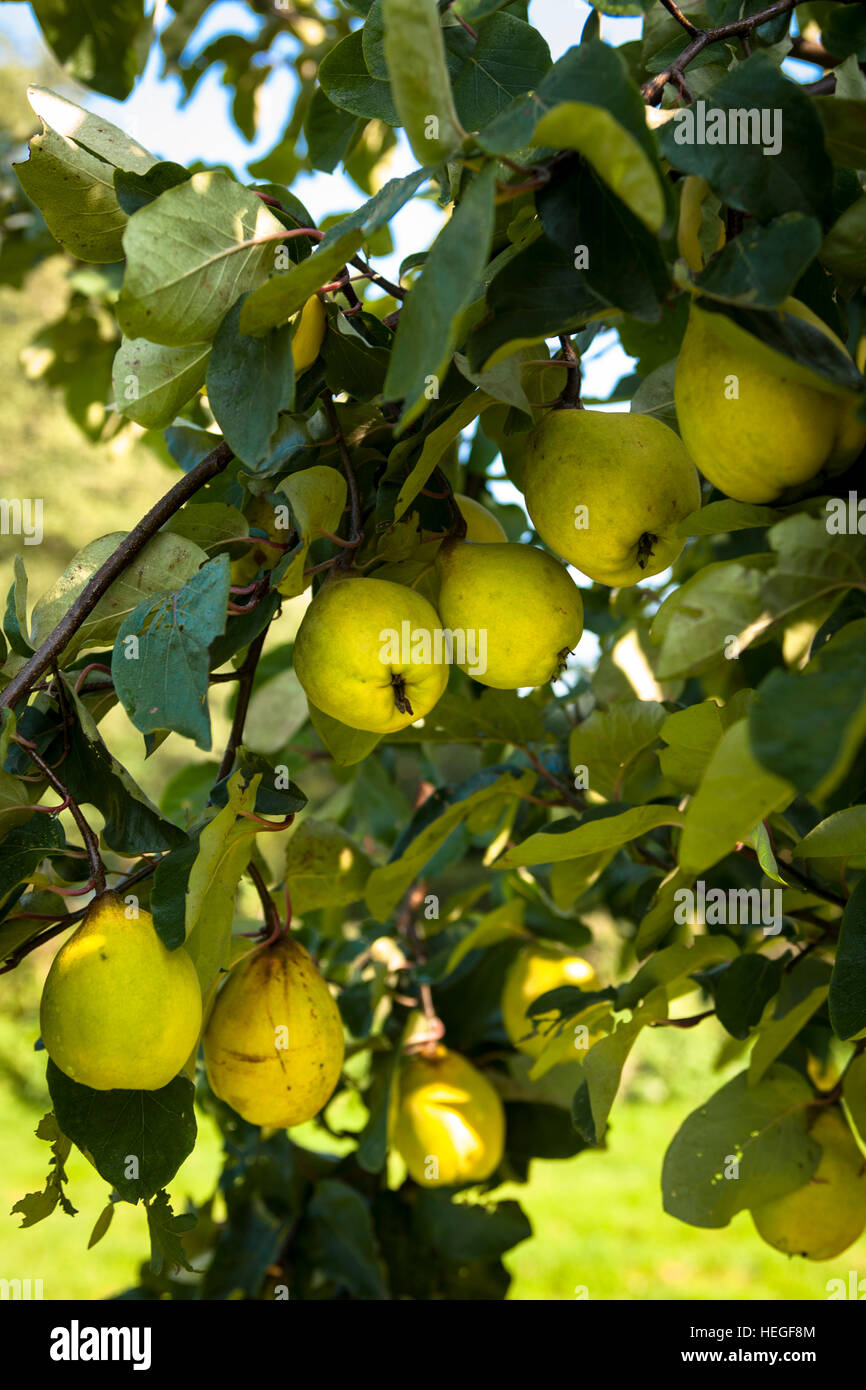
x=570, y=397
x=401, y=700
x=276, y=929
x=645, y=548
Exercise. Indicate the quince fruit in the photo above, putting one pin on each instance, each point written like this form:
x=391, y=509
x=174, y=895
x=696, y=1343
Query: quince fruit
x=446, y=1120
x=828, y=1213
x=482, y=528
x=273, y=1046
x=367, y=653
x=119, y=1011
x=517, y=611
x=751, y=420
x=606, y=490
x=534, y=971
x=309, y=334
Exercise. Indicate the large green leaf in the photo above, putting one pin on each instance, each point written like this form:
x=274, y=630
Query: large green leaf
x=848, y=983
x=190, y=255
x=427, y=332
x=753, y=1136
x=735, y=793
x=165, y=563
x=386, y=885
x=103, y=43
x=613, y=152
x=415, y=58
x=70, y=176
x=561, y=840
x=153, y=382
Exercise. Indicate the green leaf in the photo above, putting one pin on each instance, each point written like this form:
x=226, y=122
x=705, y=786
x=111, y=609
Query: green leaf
x=386, y=885
x=536, y=295
x=346, y=746
x=579, y=210
x=762, y=1128
x=504, y=923
x=157, y=1129
x=691, y=735
x=165, y=1230
x=848, y=982
x=21, y=851
x=225, y=848
x=161, y=676
x=318, y=497
x=510, y=58
x=102, y=43
x=342, y=1239
x=845, y=130
x=844, y=248
x=15, y=617
x=672, y=964
x=243, y=369
x=132, y=823
x=284, y=295
x=165, y=563
x=777, y=1033
x=153, y=382
x=609, y=740
x=324, y=866
x=602, y=1069
x=735, y=793
x=763, y=264
x=463, y=1231
x=427, y=332
x=35, y=1206
x=718, y=518
x=328, y=130
x=839, y=836
x=135, y=189
x=347, y=83
x=704, y=618
x=611, y=831
x=824, y=722
x=418, y=74
x=797, y=178
x=742, y=992
x=854, y=1091
x=190, y=255
x=613, y=152
x=434, y=446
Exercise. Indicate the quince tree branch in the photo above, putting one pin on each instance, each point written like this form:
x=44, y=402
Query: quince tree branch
x=702, y=38
x=114, y=566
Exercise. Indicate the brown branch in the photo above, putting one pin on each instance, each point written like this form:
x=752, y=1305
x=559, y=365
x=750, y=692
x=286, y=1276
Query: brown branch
x=246, y=675
x=114, y=566
x=680, y=17
x=653, y=91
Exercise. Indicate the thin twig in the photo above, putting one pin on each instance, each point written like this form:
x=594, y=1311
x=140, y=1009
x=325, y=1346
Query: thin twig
x=653, y=91
x=246, y=676
x=114, y=566
x=88, y=835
